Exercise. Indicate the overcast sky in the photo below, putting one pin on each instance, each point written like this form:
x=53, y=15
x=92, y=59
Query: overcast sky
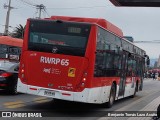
x=141, y=23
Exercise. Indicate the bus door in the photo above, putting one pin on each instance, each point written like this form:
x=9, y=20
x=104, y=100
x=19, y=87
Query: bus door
x=123, y=76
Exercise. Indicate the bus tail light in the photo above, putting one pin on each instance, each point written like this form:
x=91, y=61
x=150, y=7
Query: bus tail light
x=22, y=73
x=84, y=79
x=83, y=82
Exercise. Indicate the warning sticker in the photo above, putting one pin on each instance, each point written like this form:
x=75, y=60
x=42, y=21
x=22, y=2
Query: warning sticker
x=71, y=72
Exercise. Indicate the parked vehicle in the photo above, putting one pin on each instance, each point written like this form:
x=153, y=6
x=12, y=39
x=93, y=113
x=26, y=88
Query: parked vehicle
x=10, y=50
x=9, y=76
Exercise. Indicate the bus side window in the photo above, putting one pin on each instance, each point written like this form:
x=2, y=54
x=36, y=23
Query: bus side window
x=117, y=62
x=98, y=64
x=129, y=71
x=134, y=63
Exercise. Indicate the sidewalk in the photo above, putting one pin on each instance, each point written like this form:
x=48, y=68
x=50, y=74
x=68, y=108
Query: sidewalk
x=152, y=106
x=146, y=108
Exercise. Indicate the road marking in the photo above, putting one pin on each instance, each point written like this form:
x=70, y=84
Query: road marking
x=13, y=103
x=16, y=104
x=41, y=100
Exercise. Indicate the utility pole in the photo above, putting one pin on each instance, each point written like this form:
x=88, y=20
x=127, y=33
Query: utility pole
x=40, y=8
x=7, y=17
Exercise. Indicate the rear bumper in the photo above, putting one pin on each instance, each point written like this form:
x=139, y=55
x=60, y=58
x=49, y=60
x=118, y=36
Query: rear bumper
x=3, y=83
x=96, y=95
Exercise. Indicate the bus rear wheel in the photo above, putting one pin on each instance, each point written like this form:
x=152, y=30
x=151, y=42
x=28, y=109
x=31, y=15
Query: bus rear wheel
x=111, y=96
x=135, y=90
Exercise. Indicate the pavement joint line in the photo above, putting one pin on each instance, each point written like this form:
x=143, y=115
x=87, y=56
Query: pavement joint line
x=152, y=105
x=149, y=107
x=134, y=103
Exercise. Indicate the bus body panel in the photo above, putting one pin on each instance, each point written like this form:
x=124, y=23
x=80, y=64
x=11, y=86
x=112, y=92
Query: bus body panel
x=96, y=95
x=54, y=71
x=88, y=95
x=102, y=22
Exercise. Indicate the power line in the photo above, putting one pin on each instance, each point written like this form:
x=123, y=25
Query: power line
x=41, y=8
x=152, y=41
x=28, y=3
x=82, y=7
x=46, y=12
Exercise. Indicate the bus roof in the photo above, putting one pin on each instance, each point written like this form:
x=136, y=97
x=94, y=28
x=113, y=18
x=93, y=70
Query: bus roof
x=102, y=22
x=7, y=40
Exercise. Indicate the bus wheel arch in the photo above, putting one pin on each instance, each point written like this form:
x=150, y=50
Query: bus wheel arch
x=135, y=90
x=112, y=95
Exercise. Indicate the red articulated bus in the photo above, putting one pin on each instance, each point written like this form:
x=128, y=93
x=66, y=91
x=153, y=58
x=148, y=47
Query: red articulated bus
x=79, y=59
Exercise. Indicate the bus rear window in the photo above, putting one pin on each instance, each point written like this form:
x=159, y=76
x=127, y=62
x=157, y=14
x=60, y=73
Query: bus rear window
x=58, y=37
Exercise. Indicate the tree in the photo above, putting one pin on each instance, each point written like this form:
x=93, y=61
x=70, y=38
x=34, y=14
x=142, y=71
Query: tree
x=18, y=32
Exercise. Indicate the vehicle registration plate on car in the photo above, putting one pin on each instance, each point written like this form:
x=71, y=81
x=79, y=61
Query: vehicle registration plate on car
x=49, y=93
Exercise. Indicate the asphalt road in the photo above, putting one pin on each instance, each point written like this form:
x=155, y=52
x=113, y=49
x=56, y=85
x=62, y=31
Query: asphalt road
x=73, y=110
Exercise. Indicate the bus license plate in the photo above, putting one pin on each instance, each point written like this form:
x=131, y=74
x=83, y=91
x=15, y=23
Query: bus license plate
x=49, y=93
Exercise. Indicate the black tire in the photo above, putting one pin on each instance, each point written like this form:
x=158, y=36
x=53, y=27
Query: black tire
x=111, y=96
x=158, y=111
x=13, y=87
x=57, y=101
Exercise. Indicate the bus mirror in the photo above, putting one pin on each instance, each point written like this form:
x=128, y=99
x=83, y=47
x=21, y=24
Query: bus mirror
x=148, y=61
x=129, y=55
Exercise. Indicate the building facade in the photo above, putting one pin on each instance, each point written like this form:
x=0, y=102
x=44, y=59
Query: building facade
x=158, y=62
